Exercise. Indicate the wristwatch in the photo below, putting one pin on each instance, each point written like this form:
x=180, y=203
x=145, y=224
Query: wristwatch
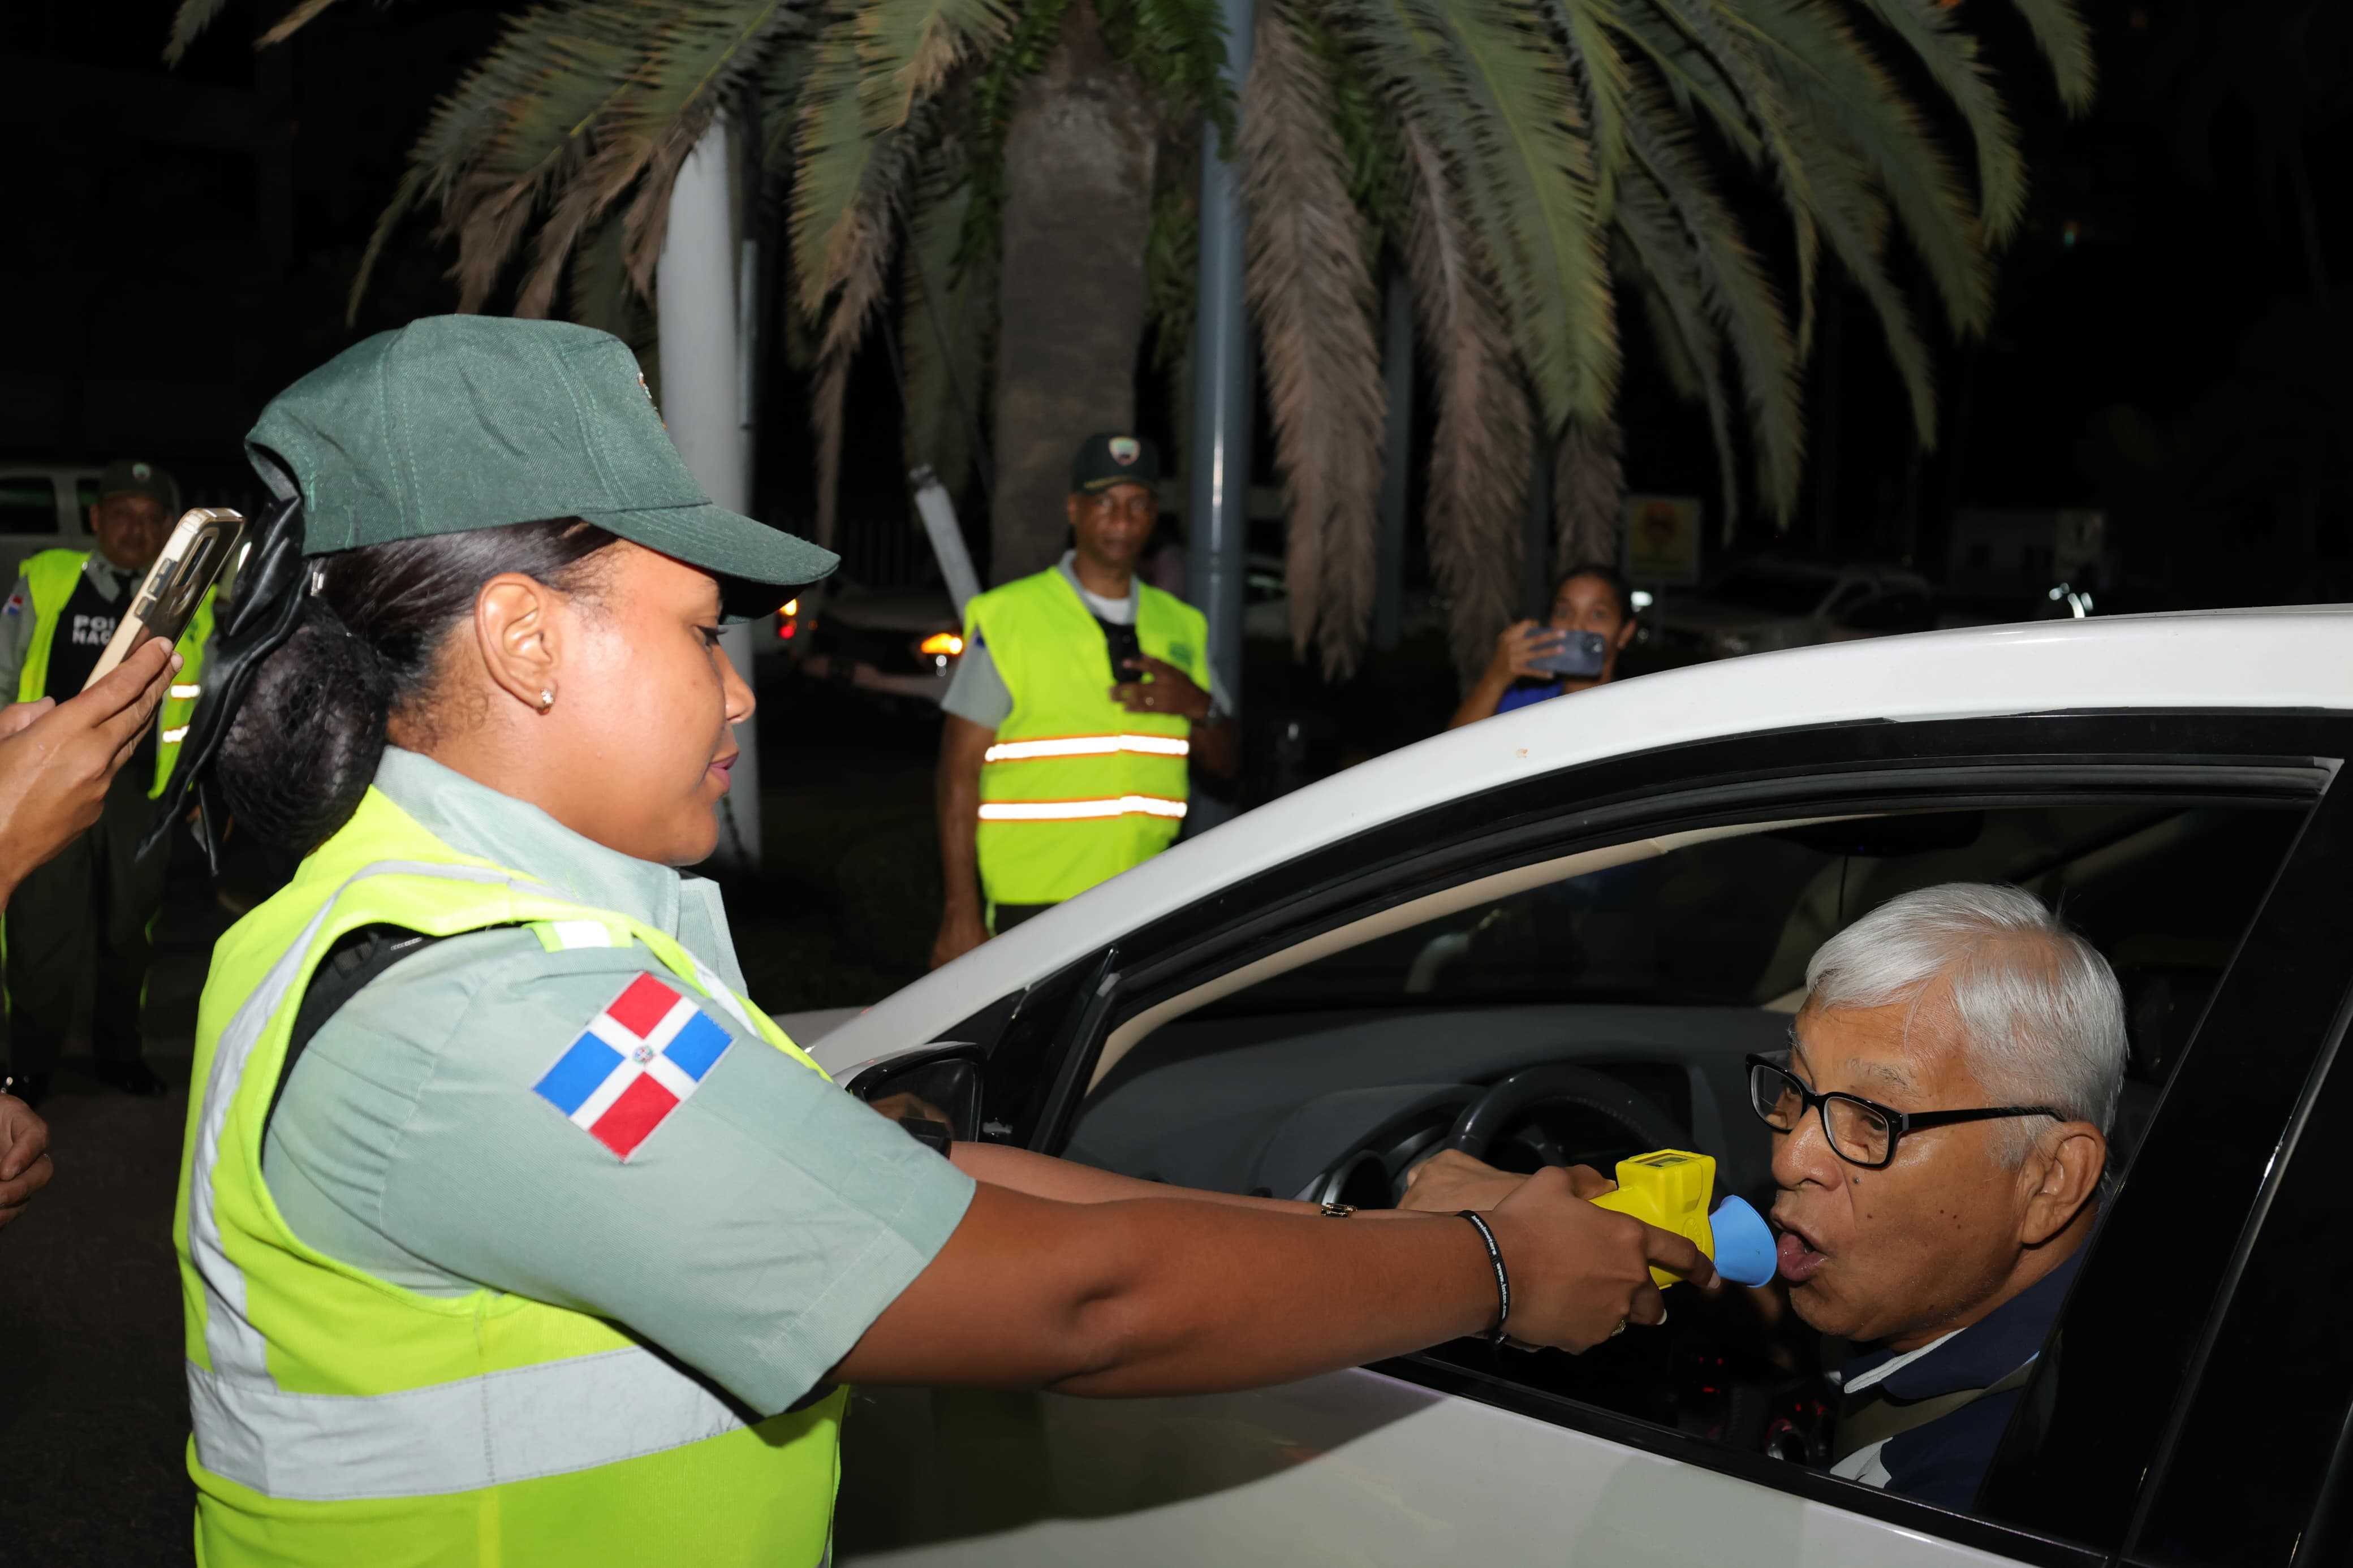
x=1335, y=1211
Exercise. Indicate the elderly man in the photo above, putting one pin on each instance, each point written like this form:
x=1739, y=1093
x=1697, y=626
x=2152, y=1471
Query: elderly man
x=1940, y=1129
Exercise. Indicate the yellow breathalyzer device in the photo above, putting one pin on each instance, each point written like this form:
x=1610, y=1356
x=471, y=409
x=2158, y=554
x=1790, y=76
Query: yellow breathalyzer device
x=1670, y=1188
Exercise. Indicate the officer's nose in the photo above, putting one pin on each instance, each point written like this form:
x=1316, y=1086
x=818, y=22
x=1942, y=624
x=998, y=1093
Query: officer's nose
x=736, y=689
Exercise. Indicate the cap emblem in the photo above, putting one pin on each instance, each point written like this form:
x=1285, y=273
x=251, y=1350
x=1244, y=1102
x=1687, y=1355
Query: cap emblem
x=141, y=471
x=1125, y=449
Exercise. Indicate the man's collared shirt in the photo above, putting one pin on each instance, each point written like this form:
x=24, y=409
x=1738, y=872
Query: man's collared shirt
x=1942, y=1461
x=754, y=1234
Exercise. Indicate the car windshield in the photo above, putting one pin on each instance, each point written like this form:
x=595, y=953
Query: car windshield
x=1731, y=922
x=1784, y=594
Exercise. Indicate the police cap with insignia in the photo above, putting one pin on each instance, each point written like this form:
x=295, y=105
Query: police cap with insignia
x=1109, y=458
x=137, y=477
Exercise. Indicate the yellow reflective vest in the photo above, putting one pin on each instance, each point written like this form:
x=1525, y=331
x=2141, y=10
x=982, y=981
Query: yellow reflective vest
x=1076, y=789
x=50, y=578
x=342, y=1420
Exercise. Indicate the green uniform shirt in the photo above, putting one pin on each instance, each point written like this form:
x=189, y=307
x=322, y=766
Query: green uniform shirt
x=409, y=1143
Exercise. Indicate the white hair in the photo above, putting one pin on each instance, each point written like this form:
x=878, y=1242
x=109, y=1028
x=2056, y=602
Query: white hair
x=2040, y=1014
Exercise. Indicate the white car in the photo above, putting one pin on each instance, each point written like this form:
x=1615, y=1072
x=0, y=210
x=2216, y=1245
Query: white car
x=1584, y=914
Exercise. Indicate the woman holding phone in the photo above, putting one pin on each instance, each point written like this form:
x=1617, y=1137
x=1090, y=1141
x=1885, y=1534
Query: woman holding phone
x=1537, y=660
x=510, y=1230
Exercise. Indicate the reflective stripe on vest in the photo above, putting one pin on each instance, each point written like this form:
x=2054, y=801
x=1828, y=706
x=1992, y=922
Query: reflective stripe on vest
x=1087, y=746
x=548, y=1418
x=1080, y=810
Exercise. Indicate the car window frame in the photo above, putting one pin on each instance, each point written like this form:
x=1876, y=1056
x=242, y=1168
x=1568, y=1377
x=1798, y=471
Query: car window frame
x=1949, y=763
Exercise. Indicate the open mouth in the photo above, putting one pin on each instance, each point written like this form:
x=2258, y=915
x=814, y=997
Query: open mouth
x=1797, y=1258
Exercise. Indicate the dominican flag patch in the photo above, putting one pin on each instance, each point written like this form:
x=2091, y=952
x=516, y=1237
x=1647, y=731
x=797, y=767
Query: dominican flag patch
x=634, y=1064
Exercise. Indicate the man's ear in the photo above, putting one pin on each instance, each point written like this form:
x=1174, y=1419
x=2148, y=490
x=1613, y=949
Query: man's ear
x=2065, y=1171
x=517, y=634
x=1070, y=505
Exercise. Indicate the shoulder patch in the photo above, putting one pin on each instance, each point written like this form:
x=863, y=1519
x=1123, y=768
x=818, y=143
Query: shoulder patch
x=637, y=1061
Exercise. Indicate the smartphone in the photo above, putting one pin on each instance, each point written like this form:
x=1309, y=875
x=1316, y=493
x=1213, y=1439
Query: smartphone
x=203, y=543
x=1581, y=653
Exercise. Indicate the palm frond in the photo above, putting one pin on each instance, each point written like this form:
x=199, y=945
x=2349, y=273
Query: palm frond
x=1311, y=286
x=188, y=24
x=1849, y=105
x=2059, y=30
x=1590, y=28
x=1589, y=492
x=1949, y=55
x=1178, y=48
x=1739, y=296
x=1531, y=174
x=1483, y=446
x=574, y=107
x=291, y=23
x=1733, y=45
x=906, y=49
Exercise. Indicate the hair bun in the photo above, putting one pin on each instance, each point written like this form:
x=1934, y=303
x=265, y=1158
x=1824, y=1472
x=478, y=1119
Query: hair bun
x=305, y=743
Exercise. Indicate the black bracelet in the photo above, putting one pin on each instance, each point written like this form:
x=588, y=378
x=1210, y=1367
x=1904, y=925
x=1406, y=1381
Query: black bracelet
x=1502, y=1280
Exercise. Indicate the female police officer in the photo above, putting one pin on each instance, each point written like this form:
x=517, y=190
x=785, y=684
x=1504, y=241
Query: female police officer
x=510, y=1231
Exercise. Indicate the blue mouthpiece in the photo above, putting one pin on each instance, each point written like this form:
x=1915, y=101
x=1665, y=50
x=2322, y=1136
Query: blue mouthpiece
x=1745, y=1249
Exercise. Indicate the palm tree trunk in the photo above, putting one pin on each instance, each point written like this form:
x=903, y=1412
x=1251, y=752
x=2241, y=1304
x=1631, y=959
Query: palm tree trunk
x=1079, y=159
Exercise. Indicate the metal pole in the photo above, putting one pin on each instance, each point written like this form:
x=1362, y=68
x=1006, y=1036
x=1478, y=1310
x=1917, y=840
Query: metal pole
x=1396, y=466
x=1224, y=388
x=703, y=311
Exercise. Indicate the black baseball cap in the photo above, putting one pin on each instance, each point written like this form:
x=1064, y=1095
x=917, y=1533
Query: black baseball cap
x=1108, y=460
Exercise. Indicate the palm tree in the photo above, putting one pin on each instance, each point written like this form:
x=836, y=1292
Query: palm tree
x=1027, y=166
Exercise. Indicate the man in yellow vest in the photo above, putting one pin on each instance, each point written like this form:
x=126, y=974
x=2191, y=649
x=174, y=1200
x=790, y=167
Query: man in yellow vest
x=78, y=926
x=1081, y=699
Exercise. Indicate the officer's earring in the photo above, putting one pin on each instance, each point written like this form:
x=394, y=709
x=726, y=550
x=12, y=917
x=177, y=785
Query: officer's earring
x=546, y=699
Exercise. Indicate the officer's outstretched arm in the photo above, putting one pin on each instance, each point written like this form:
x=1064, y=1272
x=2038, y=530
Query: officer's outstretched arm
x=1166, y=1296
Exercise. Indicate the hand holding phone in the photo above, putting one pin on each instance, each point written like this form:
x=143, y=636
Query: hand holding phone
x=1579, y=655
x=201, y=546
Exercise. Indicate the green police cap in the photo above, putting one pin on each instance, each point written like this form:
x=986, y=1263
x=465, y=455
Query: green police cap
x=455, y=423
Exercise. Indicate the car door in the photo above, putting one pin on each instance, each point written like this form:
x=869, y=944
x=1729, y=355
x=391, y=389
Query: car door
x=1457, y=1453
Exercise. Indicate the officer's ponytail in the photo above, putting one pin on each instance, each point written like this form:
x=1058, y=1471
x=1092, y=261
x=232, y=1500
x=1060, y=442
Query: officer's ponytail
x=305, y=738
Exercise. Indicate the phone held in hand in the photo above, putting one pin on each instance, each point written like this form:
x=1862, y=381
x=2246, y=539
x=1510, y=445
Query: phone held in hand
x=1581, y=655
x=203, y=543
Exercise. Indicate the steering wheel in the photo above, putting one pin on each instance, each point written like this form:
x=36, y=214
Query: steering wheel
x=1484, y=1119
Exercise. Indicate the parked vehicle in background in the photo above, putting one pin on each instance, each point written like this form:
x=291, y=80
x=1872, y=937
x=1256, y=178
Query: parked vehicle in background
x=1766, y=604
x=898, y=645
x=44, y=506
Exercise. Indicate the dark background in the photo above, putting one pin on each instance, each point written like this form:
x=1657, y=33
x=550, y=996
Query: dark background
x=179, y=245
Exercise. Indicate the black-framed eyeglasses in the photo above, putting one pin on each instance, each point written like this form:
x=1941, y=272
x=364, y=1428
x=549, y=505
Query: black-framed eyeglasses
x=1861, y=1131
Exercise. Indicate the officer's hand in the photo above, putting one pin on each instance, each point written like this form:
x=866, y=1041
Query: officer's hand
x=960, y=933
x=56, y=764
x=1450, y=1181
x=24, y=1165
x=1168, y=689
x=1580, y=1273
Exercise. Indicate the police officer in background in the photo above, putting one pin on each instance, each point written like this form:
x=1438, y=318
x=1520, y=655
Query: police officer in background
x=78, y=926
x=1081, y=696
